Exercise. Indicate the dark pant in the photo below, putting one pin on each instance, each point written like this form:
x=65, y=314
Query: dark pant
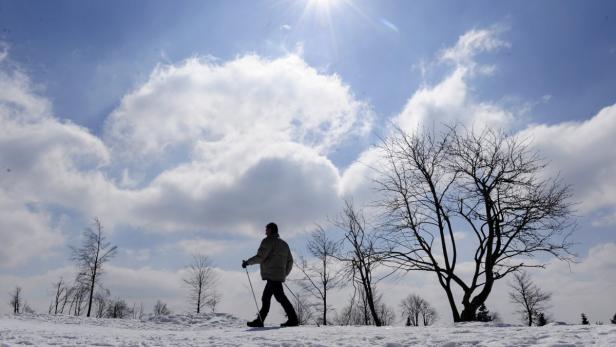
x=275, y=288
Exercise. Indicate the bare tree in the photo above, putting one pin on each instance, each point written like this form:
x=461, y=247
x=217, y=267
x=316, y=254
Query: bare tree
x=101, y=300
x=428, y=314
x=437, y=184
x=387, y=316
x=16, y=300
x=160, y=309
x=357, y=311
x=201, y=280
x=320, y=277
x=361, y=258
x=91, y=256
x=60, y=291
x=530, y=299
x=411, y=308
x=117, y=308
x=418, y=310
x=79, y=295
x=303, y=309
x=213, y=300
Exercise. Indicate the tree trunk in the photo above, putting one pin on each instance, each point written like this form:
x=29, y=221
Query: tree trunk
x=324, y=307
x=530, y=318
x=469, y=313
x=375, y=316
x=199, y=299
x=91, y=292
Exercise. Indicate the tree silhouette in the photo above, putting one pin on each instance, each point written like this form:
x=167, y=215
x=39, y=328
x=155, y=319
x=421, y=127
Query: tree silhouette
x=528, y=297
x=585, y=319
x=201, y=280
x=361, y=257
x=16, y=300
x=434, y=185
x=319, y=278
x=90, y=258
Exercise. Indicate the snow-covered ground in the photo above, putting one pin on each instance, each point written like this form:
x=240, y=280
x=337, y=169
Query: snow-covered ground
x=226, y=330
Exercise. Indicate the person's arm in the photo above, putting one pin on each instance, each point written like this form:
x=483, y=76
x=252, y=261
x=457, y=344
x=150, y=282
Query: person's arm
x=264, y=250
x=289, y=263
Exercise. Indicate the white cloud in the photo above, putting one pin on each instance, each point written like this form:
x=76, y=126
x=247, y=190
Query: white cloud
x=248, y=99
x=450, y=100
x=583, y=153
x=221, y=147
x=471, y=43
x=24, y=233
x=205, y=247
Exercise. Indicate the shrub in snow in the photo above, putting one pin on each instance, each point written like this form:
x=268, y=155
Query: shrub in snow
x=483, y=314
x=541, y=321
x=160, y=309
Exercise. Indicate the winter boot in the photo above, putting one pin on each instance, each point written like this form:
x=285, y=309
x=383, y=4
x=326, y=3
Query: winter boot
x=291, y=322
x=257, y=323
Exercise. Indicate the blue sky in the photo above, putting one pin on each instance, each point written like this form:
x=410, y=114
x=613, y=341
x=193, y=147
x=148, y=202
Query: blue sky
x=309, y=85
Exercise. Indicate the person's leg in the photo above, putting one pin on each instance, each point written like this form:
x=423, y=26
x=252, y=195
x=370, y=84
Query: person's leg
x=282, y=299
x=266, y=300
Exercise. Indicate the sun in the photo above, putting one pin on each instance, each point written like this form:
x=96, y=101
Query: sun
x=321, y=6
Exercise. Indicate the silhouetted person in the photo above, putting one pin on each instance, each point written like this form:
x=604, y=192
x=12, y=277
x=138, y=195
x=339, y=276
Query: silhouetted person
x=276, y=263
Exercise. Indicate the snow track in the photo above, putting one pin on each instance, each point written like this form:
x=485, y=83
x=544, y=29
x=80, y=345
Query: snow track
x=226, y=330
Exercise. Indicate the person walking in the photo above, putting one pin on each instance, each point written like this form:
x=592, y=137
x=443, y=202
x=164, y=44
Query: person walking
x=276, y=262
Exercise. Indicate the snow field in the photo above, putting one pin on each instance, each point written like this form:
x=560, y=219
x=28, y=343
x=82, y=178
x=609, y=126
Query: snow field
x=226, y=330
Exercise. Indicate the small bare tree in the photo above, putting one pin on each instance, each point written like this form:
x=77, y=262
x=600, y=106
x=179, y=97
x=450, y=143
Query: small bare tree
x=91, y=256
x=201, y=280
x=320, y=277
x=16, y=300
x=428, y=315
x=361, y=258
x=160, y=309
x=117, y=308
x=213, y=300
x=303, y=309
x=530, y=299
x=60, y=291
x=418, y=310
x=385, y=312
x=101, y=300
x=437, y=184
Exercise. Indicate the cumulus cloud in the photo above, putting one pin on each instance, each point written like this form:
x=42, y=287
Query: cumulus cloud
x=24, y=233
x=246, y=99
x=200, y=145
x=449, y=101
x=582, y=152
x=235, y=144
x=39, y=157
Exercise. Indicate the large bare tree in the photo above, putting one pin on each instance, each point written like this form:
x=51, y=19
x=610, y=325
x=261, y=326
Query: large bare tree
x=201, y=280
x=530, y=299
x=437, y=184
x=90, y=257
x=360, y=256
x=320, y=277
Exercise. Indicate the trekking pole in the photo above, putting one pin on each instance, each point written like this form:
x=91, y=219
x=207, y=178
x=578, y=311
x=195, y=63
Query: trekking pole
x=254, y=296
